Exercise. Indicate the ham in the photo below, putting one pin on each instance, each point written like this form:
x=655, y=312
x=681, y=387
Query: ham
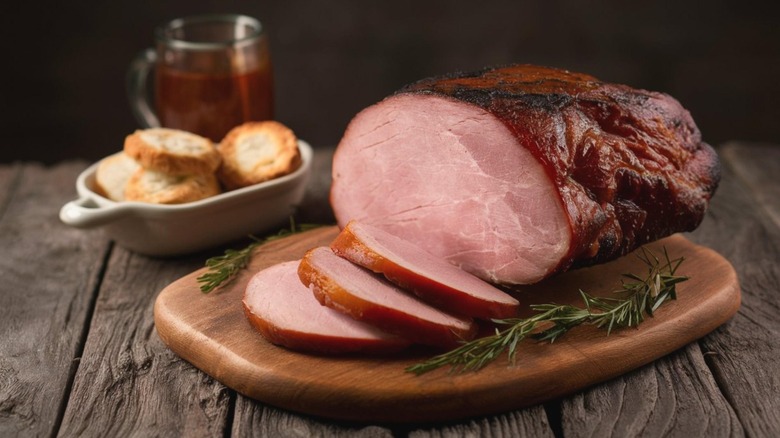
x=341, y=285
x=516, y=173
x=431, y=278
x=284, y=311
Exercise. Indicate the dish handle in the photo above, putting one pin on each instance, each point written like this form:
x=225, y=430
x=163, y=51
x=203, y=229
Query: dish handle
x=84, y=213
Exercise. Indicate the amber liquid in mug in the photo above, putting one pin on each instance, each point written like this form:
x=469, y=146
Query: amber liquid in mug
x=211, y=104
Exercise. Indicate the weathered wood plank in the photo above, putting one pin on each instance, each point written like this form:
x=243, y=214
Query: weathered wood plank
x=531, y=422
x=253, y=419
x=674, y=396
x=744, y=353
x=758, y=166
x=129, y=383
x=9, y=176
x=50, y=273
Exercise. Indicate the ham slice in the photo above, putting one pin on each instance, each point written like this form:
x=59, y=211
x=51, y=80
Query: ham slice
x=432, y=278
x=284, y=311
x=365, y=296
x=519, y=172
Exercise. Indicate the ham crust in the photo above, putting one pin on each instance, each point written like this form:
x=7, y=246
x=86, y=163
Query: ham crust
x=520, y=172
x=630, y=165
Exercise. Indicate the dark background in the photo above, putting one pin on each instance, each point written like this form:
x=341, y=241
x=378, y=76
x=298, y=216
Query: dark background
x=63, y=78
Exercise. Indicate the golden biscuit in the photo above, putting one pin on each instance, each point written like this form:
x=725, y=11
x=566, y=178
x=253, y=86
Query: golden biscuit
x=112, y=175
x=172, y=151
x=255, y=152
x=160, y=188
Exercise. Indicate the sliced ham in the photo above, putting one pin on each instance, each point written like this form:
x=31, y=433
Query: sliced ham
x=285, y=312
x=365, y=296
x=432, y=278
x=519, y=172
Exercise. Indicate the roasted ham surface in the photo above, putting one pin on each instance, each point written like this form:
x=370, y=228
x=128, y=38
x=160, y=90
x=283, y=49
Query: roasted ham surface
x=519, y=172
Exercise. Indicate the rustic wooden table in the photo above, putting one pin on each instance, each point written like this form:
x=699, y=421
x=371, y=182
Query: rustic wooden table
x=79, y=355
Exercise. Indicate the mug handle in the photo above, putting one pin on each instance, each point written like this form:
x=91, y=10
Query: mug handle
x=137, y=92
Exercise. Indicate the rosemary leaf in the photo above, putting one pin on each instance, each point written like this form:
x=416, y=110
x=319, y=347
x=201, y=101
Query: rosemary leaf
x=223, y=269
x=637, y=298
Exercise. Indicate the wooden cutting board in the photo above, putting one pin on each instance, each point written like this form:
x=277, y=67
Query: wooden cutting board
x=211, y=332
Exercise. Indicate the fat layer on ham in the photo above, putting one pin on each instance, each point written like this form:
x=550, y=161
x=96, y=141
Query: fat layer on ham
x=286, y=313
x=519, y=172
x=432, y=278
x=365, y=296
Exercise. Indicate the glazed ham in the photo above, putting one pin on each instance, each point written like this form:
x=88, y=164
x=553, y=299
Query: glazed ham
x=431, y=278
x=284, y=311
x=516, y=173
x=365, y=296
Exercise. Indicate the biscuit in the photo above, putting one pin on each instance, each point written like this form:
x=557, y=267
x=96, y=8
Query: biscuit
x=160, y=188
x=172, y=151
x=112, y=175
x=255, y=152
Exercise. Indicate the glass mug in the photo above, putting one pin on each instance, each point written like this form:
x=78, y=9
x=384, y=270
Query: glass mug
x=212, y=73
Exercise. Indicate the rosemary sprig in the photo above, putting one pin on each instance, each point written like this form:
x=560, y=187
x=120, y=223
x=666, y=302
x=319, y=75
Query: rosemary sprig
x=638, y=296
x=223, y=269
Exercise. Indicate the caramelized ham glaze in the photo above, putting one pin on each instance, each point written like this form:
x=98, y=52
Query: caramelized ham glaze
x=519, y=172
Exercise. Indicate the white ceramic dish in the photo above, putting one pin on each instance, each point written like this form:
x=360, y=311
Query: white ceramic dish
x=167, y=230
